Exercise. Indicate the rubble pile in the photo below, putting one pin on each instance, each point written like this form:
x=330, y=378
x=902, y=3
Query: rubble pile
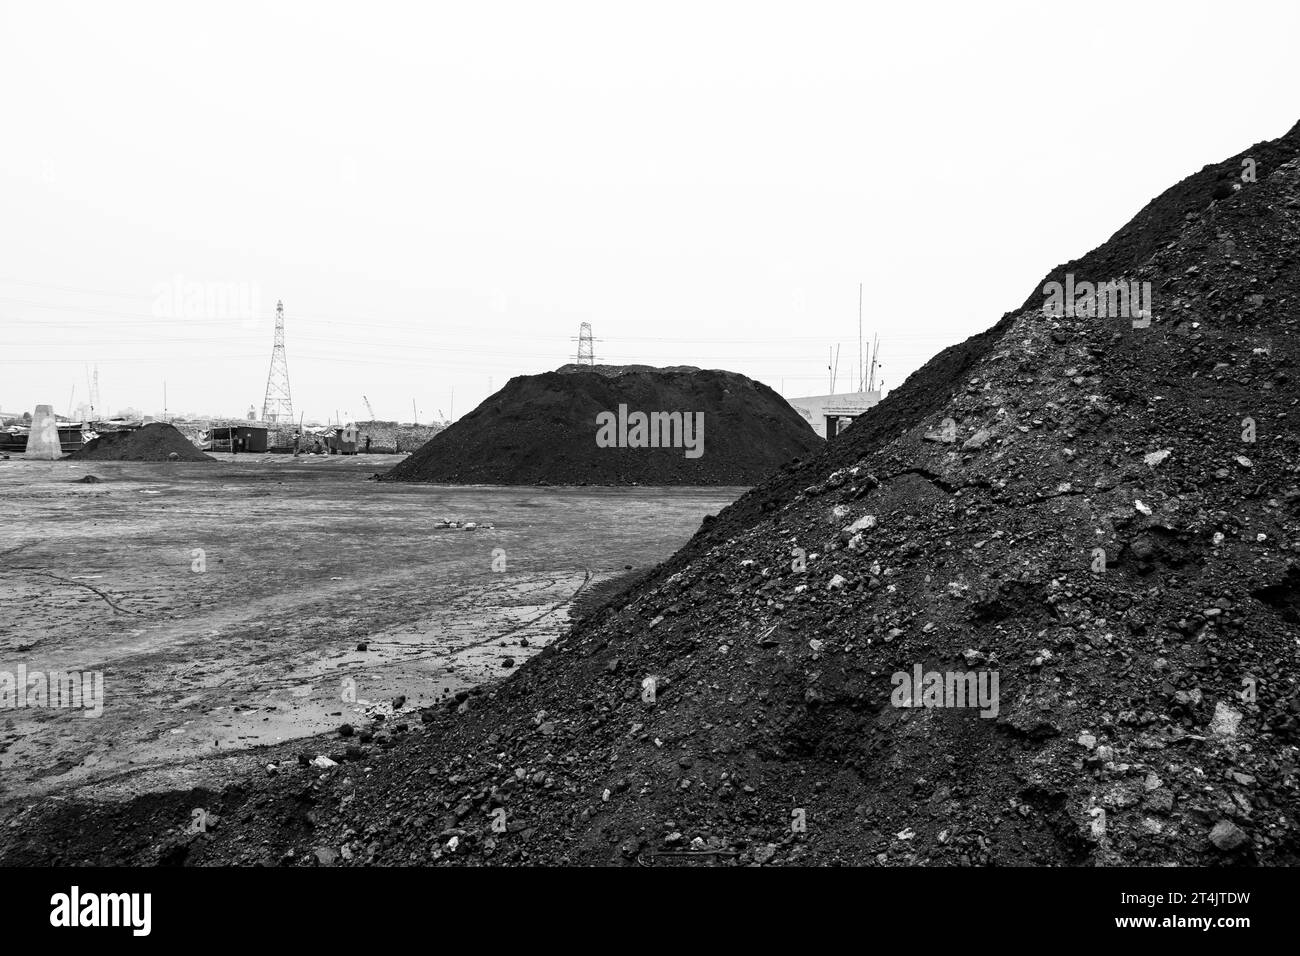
x=1096, y=518
x=394, y=438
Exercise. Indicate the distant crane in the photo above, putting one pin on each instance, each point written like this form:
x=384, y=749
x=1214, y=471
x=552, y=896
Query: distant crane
x=370, y=411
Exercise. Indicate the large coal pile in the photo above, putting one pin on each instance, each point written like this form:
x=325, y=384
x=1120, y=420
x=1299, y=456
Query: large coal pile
x=1072, y=503
x=543, y=429
x=156, y=441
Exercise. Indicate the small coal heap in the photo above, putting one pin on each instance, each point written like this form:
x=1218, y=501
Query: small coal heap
x=156, y=441
x=547, y=430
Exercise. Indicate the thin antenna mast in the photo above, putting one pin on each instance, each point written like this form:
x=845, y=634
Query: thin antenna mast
x=875, y=357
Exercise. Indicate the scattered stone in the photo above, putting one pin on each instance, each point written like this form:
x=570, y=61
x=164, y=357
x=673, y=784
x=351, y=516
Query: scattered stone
x=1227, y=836
x=326, y=855
x=1225, y=720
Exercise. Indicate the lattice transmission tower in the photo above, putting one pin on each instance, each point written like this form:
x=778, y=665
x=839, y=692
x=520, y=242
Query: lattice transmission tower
x=585, y=354
x=277, y=407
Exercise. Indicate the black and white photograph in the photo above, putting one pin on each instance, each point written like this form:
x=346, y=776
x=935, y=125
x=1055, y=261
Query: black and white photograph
x=461, y=457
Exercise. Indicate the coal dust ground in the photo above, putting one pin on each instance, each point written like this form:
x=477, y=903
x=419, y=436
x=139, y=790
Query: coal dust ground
x=226, y=604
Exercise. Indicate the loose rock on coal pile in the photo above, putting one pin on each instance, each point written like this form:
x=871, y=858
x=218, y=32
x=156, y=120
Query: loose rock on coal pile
x=156, y=441
x=612, y=425
x=1036, y=607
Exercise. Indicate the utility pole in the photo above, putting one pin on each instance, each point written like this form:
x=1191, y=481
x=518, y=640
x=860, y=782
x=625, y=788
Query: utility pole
x=875, y=355
x=90, y=385
x=861, y=368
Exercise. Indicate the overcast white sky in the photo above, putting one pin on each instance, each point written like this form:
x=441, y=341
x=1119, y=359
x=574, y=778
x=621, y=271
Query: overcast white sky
x=442, y=192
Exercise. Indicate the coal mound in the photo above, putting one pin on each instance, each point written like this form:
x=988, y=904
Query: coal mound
x=542, y=429
x=156, y=441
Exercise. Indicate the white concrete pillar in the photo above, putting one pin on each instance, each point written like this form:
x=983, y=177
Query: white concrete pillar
x=43, y=439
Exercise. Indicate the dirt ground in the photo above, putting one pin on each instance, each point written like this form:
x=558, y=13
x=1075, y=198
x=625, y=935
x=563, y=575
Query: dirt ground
x=226, y=604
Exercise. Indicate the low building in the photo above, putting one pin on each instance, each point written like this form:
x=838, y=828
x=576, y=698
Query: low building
x=342, y=440
x=831, y=414
x=237, y=438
